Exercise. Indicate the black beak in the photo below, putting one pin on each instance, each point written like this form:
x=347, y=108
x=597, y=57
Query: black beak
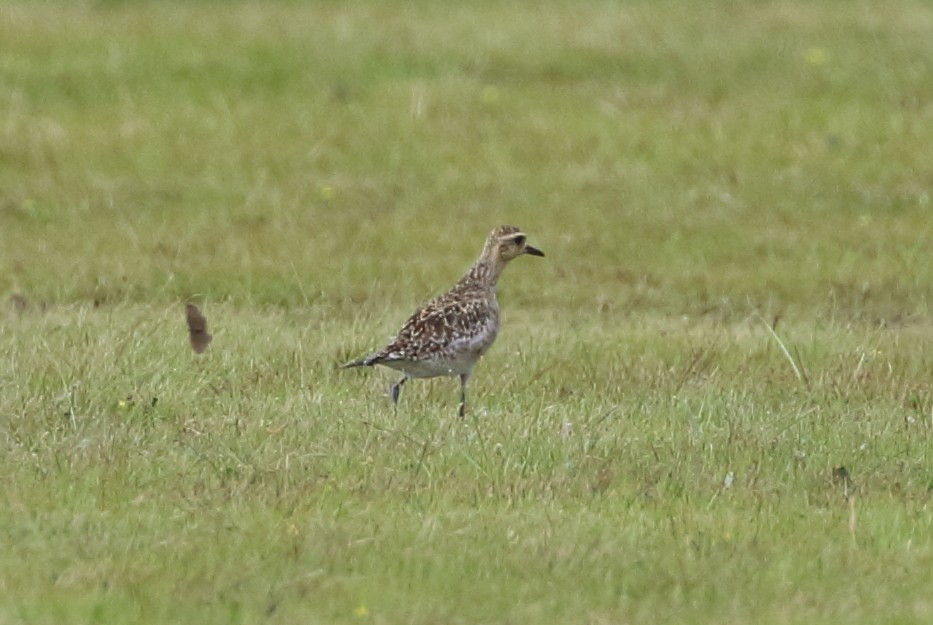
x=533, y=251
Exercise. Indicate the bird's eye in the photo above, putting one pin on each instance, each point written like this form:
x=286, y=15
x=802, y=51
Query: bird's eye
x=520, y=240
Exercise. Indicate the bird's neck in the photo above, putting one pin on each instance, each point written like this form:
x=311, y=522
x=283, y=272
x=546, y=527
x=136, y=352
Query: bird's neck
x=484, y=273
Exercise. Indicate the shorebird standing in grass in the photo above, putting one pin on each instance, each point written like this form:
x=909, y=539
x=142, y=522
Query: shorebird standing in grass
x=449, y=334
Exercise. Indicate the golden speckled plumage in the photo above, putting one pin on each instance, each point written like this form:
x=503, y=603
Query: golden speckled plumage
x=449, y=334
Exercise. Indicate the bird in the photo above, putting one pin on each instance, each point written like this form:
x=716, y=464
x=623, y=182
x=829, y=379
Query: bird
x=448, y=335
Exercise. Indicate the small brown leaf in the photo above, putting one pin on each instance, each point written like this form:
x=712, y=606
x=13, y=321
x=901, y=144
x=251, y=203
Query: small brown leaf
x=197, y=329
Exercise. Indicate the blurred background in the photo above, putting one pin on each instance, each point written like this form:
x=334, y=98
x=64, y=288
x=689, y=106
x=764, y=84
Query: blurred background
x=712, y=158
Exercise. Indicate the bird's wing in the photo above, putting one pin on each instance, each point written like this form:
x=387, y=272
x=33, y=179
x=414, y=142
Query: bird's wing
x=439, y=326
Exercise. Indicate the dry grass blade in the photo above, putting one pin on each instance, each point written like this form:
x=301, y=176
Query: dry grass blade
x=798, y=370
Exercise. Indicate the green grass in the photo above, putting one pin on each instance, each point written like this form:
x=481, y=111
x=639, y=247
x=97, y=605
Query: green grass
x=734, y=200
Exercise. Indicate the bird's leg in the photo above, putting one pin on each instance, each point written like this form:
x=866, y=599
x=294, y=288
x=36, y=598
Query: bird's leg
x=396, y=388
x=463, y=384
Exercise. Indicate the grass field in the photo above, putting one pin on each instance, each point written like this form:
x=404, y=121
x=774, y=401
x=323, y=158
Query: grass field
x=734, y=200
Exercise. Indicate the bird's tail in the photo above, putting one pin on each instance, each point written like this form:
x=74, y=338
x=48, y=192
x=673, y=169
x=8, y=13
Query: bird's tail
x=361, y=362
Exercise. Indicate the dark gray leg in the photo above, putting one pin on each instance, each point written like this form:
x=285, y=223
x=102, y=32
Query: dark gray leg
x=396, y=388
x=463, y=384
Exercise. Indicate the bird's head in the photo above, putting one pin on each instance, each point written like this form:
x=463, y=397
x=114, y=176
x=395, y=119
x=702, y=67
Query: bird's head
x=508, y=242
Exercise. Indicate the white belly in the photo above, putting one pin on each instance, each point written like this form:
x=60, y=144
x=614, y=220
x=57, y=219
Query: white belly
x=458, y=359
